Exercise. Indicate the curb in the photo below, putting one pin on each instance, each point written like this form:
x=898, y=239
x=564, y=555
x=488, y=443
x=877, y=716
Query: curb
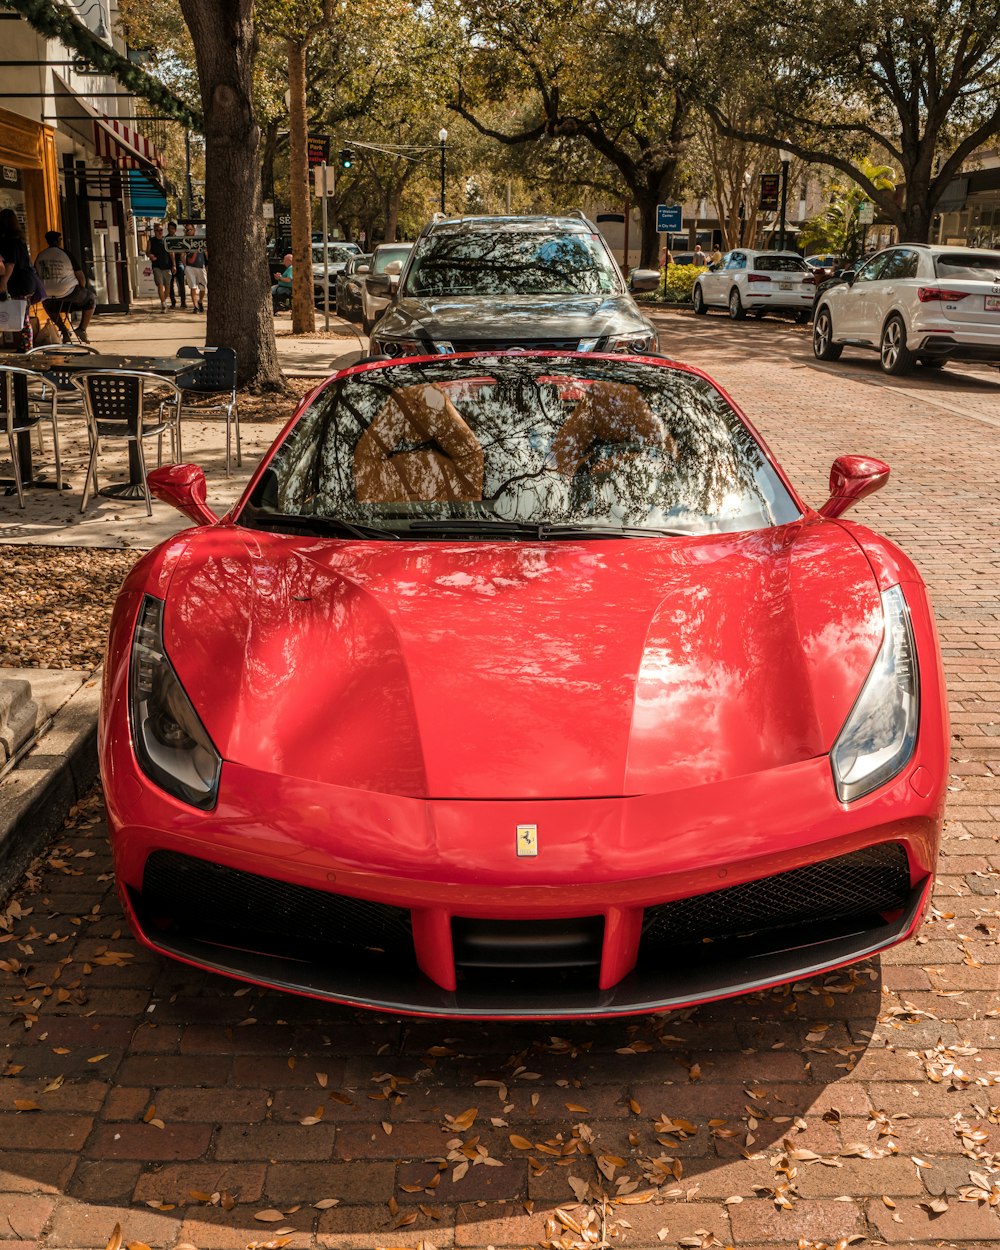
x=55, y=774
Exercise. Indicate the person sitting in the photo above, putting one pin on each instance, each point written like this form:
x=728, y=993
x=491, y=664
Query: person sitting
x=65, y=287
x=281, y=292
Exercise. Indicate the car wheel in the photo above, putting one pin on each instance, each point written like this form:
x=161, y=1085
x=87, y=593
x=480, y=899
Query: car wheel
x=931, y=362
x=736, y=309
x=896, y=357
x=698, y=300
x=824, y=348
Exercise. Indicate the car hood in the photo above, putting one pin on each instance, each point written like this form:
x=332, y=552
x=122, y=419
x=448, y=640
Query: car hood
x=512, y=670
x=334, y=268
x=501, y=318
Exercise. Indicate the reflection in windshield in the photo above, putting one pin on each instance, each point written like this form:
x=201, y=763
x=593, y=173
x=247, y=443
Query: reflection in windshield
x=595, y=445
x=511, y=263
x=337, y=255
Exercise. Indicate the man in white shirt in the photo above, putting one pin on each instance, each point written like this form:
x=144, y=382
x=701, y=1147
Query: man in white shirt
x=65, y=286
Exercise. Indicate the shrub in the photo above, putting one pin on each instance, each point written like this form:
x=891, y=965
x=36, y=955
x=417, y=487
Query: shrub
x=680, y=280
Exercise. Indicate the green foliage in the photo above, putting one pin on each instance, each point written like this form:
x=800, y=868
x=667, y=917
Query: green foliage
x=679, y=285
x=837, y=228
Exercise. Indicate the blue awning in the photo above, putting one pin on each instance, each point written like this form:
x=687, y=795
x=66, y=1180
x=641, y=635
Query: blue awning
x=147, y=197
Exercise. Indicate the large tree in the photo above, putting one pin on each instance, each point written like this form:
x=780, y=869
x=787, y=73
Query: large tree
x=611, y=74
x=838, y=82
x=239, y=315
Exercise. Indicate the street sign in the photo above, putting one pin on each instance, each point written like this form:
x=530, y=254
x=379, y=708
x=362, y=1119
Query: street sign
x=866, y=213
x=668, y=218
x=330, y=173
x=318, y=150
x=770, y=189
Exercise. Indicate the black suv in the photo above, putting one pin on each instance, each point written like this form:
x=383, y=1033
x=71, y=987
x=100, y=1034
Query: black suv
x=493, y=283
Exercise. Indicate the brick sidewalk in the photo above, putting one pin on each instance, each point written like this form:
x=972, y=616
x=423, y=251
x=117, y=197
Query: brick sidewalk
x=183, y=1106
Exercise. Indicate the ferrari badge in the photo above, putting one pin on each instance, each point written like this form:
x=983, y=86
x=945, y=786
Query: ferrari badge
x=527, y=840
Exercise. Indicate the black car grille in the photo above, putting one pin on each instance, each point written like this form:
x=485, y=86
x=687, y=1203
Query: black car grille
x=516, y=957
x=211, y=903
x=854, y=887
x=528, y=345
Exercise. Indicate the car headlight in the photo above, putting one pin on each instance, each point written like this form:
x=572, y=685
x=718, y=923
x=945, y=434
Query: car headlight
x=634, y=343
x=879, y=736
x=401, y=347
x=171, y=744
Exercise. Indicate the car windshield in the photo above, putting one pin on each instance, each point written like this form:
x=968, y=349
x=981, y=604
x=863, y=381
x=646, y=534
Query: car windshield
x=510, y=446
x=386, y=255
x=509, y=262
x=338, y=254
x=779, y=264
x=984, y=266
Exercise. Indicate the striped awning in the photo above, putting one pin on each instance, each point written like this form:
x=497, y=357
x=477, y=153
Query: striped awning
x=124, y=147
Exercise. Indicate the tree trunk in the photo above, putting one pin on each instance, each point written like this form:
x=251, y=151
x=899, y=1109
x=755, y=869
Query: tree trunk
x=239, y=311
x=649, y=239
x=299, y=193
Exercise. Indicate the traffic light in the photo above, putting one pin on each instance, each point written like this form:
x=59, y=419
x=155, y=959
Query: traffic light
x=346, y=158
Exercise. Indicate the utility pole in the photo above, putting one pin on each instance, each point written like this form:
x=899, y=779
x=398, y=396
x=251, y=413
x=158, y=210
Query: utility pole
x=443, y=136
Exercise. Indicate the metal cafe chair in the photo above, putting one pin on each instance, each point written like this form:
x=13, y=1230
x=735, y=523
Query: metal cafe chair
x=57, y=387
x=115, y=405
x=15, y=425
x=210, y=386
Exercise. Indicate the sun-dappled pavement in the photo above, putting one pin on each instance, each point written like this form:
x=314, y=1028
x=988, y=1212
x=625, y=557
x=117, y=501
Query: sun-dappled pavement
x=859, y=1108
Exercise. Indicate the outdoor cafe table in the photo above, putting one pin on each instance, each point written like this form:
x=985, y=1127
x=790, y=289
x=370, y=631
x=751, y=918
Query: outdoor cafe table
x=79, y=362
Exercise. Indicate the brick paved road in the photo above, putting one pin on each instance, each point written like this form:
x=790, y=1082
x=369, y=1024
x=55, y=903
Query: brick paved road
x=163, y=1096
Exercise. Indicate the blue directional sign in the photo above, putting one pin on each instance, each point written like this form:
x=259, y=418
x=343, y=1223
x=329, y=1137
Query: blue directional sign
x=668, y=218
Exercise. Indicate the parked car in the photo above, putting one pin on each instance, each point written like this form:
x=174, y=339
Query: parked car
x=379, y=283
x=915, y=303
x=489, y=283
x=523, y=685
x=349, y=281
x=758, y=282
x=338, y=254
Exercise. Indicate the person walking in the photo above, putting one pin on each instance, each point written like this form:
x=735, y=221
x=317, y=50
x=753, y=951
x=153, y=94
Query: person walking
x=65, y=287
x=163, y=265
x=177, y=278
x=195, y=269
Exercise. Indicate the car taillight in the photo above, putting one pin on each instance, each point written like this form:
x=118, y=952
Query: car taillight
x=927, y=294
x=809, y=279
x=758, y=277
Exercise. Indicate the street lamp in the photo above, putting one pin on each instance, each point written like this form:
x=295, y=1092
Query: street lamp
x=786, y=158
x=443, y=136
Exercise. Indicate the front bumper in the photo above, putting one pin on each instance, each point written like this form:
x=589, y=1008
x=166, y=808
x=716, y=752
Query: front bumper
x=449, y=865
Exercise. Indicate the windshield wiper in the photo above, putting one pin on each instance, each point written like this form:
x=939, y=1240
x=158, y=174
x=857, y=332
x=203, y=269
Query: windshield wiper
x=608, y=531
x=542, y=529
x=297, y=521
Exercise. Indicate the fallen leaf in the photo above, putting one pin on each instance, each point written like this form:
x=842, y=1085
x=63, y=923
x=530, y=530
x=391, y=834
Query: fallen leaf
x=270, y=1216
x=115, y=1240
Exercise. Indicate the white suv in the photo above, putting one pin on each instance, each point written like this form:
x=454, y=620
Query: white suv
x=915, y=303
x=758, y=282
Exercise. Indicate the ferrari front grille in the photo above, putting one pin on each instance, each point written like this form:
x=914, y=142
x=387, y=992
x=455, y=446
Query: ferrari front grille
x=859, y=885
x=226, y=906
x=528, y=956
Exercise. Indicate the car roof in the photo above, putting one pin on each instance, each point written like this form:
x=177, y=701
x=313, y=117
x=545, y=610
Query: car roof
x=509, y=224
x=379, y=246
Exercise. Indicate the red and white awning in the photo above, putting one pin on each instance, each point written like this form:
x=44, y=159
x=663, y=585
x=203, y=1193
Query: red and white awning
x=124, y=147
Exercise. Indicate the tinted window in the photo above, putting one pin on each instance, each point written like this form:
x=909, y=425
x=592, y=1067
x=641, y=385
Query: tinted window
x=873, y=269
x=511, y=263
x=982, y=265
x=522, y=442
x=737, y=261
x=780, y=264
x=338, y=255
x=899, y=264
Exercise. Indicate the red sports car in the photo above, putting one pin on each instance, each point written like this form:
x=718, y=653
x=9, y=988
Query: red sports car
x=523, y=685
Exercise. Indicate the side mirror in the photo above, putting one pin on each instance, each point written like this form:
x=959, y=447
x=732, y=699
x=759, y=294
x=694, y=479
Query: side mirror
x=183, y=487
x=379, y=284
x=394, y=268
x=363, y=269
x=851, y=479
x=848, y=276
x=644, y=280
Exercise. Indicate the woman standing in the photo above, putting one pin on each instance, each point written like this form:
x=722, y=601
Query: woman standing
x=17, y=278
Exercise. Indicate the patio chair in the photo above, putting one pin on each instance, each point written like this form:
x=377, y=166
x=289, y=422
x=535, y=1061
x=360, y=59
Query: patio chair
x=210, y=386
x=57, y=387
x=16, y=425
x=115, y=403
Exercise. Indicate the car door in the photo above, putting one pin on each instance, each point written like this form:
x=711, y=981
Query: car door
x=848, y=303
x=879, y=295
x=714, y=285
